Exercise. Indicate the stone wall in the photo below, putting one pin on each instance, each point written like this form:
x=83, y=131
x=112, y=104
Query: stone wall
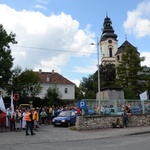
x=99, y=122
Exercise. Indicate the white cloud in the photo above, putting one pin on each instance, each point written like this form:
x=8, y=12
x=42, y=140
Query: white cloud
x=76, y=81
x=138, y=20
x=52, y=35
x=41, y=7
x=147, y=59
x=43, y=1
x=88, y=69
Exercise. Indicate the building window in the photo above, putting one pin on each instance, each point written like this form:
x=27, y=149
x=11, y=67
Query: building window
x=110, y=52
x=118, y=58
x=66, y=90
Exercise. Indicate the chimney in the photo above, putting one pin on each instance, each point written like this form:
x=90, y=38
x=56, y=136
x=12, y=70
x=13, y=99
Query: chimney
x=40, y=70
x=52, y=71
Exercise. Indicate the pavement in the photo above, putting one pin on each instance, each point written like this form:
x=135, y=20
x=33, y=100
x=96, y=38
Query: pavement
x=49, y=133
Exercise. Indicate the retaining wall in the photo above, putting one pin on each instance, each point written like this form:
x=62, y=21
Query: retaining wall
x=99, y=122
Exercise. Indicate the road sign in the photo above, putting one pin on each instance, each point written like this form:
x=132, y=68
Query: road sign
x=16, y=97
x=82, y=104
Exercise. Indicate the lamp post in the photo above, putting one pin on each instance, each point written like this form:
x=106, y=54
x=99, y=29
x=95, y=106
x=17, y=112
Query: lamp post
x=97, y=44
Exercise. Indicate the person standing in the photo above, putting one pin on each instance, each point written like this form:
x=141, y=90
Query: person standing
x=35, y=119
x=28, y=118
x=2, y=121
x=18, y=120
x=23, y=121
x=43, y=116
x=12, y=122
x=125, y=118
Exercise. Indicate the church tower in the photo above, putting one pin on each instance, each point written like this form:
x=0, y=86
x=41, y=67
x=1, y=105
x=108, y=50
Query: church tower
x=108, y=42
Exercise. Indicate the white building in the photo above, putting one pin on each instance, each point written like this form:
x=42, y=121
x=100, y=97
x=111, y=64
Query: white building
x=53, y=79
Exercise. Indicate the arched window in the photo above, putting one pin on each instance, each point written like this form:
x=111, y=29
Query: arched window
x=110, y=52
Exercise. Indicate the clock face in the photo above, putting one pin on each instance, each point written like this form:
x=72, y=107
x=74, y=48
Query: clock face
x=109, y=41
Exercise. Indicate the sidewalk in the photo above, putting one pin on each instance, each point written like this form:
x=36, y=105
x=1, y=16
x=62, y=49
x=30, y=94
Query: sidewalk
x=111, y=132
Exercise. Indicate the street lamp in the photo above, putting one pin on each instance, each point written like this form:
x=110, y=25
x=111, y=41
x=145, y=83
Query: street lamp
x=97, y=44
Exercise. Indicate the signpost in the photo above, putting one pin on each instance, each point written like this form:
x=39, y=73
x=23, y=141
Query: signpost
x=82, y=105
x=16, y=97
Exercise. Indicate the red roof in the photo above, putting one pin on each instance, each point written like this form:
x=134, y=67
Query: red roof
x=52, y=78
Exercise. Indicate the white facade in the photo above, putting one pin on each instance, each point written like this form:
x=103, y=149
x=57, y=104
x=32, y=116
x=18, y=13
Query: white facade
x=67, y=90
x=108, y=48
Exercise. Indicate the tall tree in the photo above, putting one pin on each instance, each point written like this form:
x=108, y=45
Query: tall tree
x=107, y=74
x=78, y=93
x=53, y=96
x=128, y=72
x=89, y=86
x=26, y=83
x=6, y=60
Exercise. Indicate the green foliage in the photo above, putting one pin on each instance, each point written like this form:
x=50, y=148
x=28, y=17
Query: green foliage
x=107, y=74
x=89, y=86
x=78, y=93
x=129, y=72
x=26, y=83
x=52, y=97
x=6, y=60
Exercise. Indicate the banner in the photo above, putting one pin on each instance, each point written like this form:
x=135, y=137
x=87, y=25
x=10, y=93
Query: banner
x=12, y=103
x=2, y=105
x=143, y=96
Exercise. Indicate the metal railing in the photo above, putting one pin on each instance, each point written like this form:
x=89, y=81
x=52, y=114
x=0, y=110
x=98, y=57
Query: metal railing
x=115, y=107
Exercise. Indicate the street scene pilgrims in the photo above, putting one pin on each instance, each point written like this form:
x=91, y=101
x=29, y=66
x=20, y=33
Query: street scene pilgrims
x=121, y=77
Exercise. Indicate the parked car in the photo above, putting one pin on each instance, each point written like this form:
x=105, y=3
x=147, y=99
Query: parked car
x=135, y=110
x=112, y=111
x=65, y=118
x=87, y=111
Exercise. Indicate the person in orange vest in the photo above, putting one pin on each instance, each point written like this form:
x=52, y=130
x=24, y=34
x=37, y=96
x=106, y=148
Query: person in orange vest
x=28, y=118
x=35, y=118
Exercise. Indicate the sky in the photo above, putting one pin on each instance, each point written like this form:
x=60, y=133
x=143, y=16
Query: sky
x=57, y=34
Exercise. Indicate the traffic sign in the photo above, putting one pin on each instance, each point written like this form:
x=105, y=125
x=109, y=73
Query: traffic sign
x=82, y=104
x=16, y=97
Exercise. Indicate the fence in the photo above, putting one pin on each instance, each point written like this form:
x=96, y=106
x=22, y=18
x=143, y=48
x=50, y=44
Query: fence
x=112, y=107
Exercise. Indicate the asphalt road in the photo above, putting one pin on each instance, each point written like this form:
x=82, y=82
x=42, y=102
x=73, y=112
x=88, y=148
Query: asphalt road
x=49, y=137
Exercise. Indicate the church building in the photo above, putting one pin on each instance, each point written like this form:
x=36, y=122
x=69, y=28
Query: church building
x=111, y=54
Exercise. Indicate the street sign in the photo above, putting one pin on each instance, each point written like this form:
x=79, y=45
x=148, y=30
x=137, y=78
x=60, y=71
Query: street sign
x=16, y=97
x=82, y=104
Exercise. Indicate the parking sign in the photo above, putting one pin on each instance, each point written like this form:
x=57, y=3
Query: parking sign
x=82, y=104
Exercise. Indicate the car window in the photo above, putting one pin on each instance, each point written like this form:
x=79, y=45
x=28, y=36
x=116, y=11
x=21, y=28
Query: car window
x=73, y=114
x=66, y=113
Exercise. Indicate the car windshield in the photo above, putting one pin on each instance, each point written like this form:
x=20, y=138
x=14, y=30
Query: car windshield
x=65, y=113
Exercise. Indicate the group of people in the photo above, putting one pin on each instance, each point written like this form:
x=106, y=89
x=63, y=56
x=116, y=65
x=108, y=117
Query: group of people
x=19, y=120
x=29, y=119
x=126, y=116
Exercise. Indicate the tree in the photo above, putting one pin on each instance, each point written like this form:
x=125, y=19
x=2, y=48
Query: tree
x=89, y=86
x=78, y=93
x=53, y=96
x=25, y=83
x=6, y=60
x=107, y=74
x=128, y=72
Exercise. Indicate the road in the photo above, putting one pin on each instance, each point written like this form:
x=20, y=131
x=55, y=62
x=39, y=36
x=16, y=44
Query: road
x=49, y=137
